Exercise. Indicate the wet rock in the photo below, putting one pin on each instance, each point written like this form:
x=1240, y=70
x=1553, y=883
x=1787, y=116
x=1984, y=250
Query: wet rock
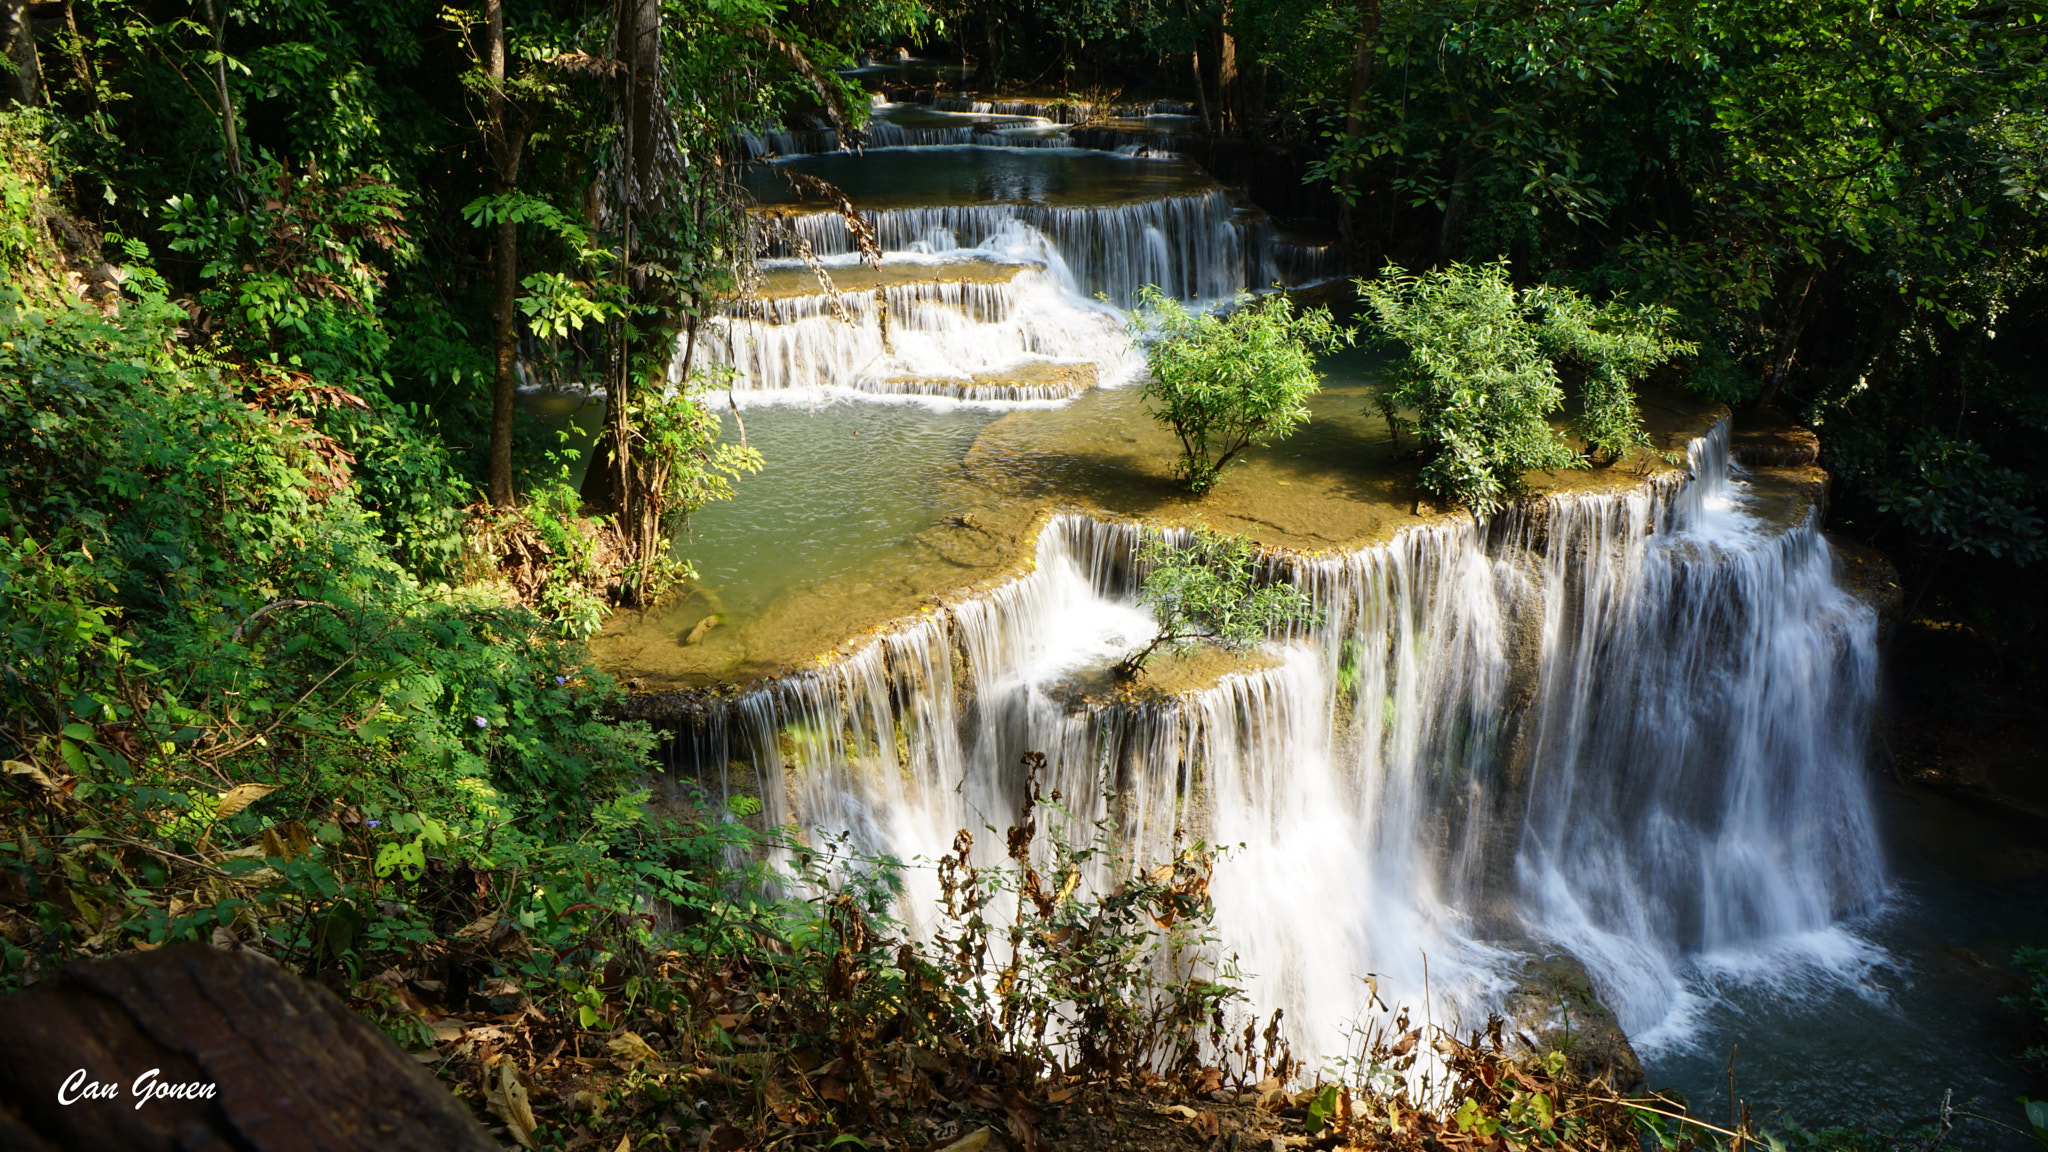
x=1768, y=440
x=1552, y=1001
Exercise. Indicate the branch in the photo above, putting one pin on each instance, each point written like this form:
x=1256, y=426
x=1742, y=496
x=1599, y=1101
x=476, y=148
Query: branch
x=242, y=629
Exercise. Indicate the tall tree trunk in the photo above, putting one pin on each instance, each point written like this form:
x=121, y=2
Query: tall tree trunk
x=612, y=484
x=227, y=99
x=505, y=146
x=81, y=63
x=25, y=86
x=1363, y=58
x=1802, y=314
x=1229, y=91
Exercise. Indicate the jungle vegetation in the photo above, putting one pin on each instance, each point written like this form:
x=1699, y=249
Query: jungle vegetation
x=294, y=596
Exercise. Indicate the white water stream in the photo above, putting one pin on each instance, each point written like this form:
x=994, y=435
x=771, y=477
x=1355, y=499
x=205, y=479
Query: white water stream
x=1628, y=725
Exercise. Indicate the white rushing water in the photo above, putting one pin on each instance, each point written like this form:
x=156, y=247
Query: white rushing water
x=940, y=333
x=1188, y=245
x=1076, y=265
x=1628, y=725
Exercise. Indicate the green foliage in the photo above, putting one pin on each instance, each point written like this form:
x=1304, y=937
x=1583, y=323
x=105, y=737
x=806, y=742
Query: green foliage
x=22, y=177
x=1951, y=491
x=1209, y=588
x=1481, y=373
x=1611, y=346
x=1226, y=383
x=197, y=609
x=2033, y=1006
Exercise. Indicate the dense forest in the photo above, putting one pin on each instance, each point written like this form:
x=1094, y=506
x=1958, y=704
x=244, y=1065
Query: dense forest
x=296, y=592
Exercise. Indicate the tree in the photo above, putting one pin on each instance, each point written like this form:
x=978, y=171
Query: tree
x=1209, y=589
x=1225, y=383
x=1481, y=373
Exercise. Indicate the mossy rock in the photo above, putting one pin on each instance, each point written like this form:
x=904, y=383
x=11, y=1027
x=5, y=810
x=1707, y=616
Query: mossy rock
x=1551, y=1001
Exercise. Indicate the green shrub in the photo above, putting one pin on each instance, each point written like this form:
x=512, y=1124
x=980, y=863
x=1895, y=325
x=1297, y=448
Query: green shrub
x=1481, y=374
x=1225, y=383
x=1209, y=589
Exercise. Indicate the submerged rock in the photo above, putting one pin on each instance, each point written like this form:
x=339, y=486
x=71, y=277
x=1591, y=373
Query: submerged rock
x=1551, y=1000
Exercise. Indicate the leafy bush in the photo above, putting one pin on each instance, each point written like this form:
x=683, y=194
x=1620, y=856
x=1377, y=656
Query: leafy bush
x=223, y=696
x=1209, y=589
x=1481, y=374
x=1226, y=383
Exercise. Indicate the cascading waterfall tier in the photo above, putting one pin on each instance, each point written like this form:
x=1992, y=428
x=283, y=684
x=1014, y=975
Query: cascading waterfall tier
x=1629, y=725
x=1188, y=245
x=1019, y=132
x=1026, y=338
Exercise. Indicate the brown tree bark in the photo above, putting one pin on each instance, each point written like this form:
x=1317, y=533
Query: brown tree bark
x=25, y=85
x=292, y=1069
x=227, y=99
x=1800, y=315
x=505, y=144
x=1363, y=59
x=612, y=484
x=1229, y=89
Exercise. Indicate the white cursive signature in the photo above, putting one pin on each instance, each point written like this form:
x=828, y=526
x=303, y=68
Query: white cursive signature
x=147, y=1087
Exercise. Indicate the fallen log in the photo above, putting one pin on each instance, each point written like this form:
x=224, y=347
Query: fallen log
x=189, y=1047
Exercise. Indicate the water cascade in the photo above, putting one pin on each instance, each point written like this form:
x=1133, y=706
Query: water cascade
x=1188, y=245
x=1628, y=725
x=1024, y=334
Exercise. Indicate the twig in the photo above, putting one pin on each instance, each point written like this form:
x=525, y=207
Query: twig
x=242, y=629
x=155, y=851
x=1661, y=1112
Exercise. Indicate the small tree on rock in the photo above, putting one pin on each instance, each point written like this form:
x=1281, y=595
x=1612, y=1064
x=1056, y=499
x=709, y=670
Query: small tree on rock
x=1209, y=589
x=1225, y=383
x=1482, y=373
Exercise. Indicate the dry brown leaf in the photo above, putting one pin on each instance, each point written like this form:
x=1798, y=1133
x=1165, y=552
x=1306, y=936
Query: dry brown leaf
x=241, y=796
x=974, y=1141
x=1183, y=1111
x=447, y=1031
x=629, y=1048
x=478, y=927
x=625, y=1144
x=508, y=1102
x=25, y=768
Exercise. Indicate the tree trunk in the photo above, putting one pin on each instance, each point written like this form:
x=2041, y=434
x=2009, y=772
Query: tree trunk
x=1454, y=214
x=25, y=86
x=1362, y=61
x=505, y=147
x=1788, y=345
x=505, y=346
x=1229, y=91
x=292, y=1069
x=227, y=99
x=81, y=63
x=638, y=46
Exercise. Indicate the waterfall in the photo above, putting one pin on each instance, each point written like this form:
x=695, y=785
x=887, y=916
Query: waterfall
x=943, y=338
x=1625, y=724
x=1188, y=245
x=1018, y=132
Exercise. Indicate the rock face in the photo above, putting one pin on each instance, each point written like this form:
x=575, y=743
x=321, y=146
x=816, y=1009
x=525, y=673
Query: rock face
x=1552, y=1002
x=288, y=1066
